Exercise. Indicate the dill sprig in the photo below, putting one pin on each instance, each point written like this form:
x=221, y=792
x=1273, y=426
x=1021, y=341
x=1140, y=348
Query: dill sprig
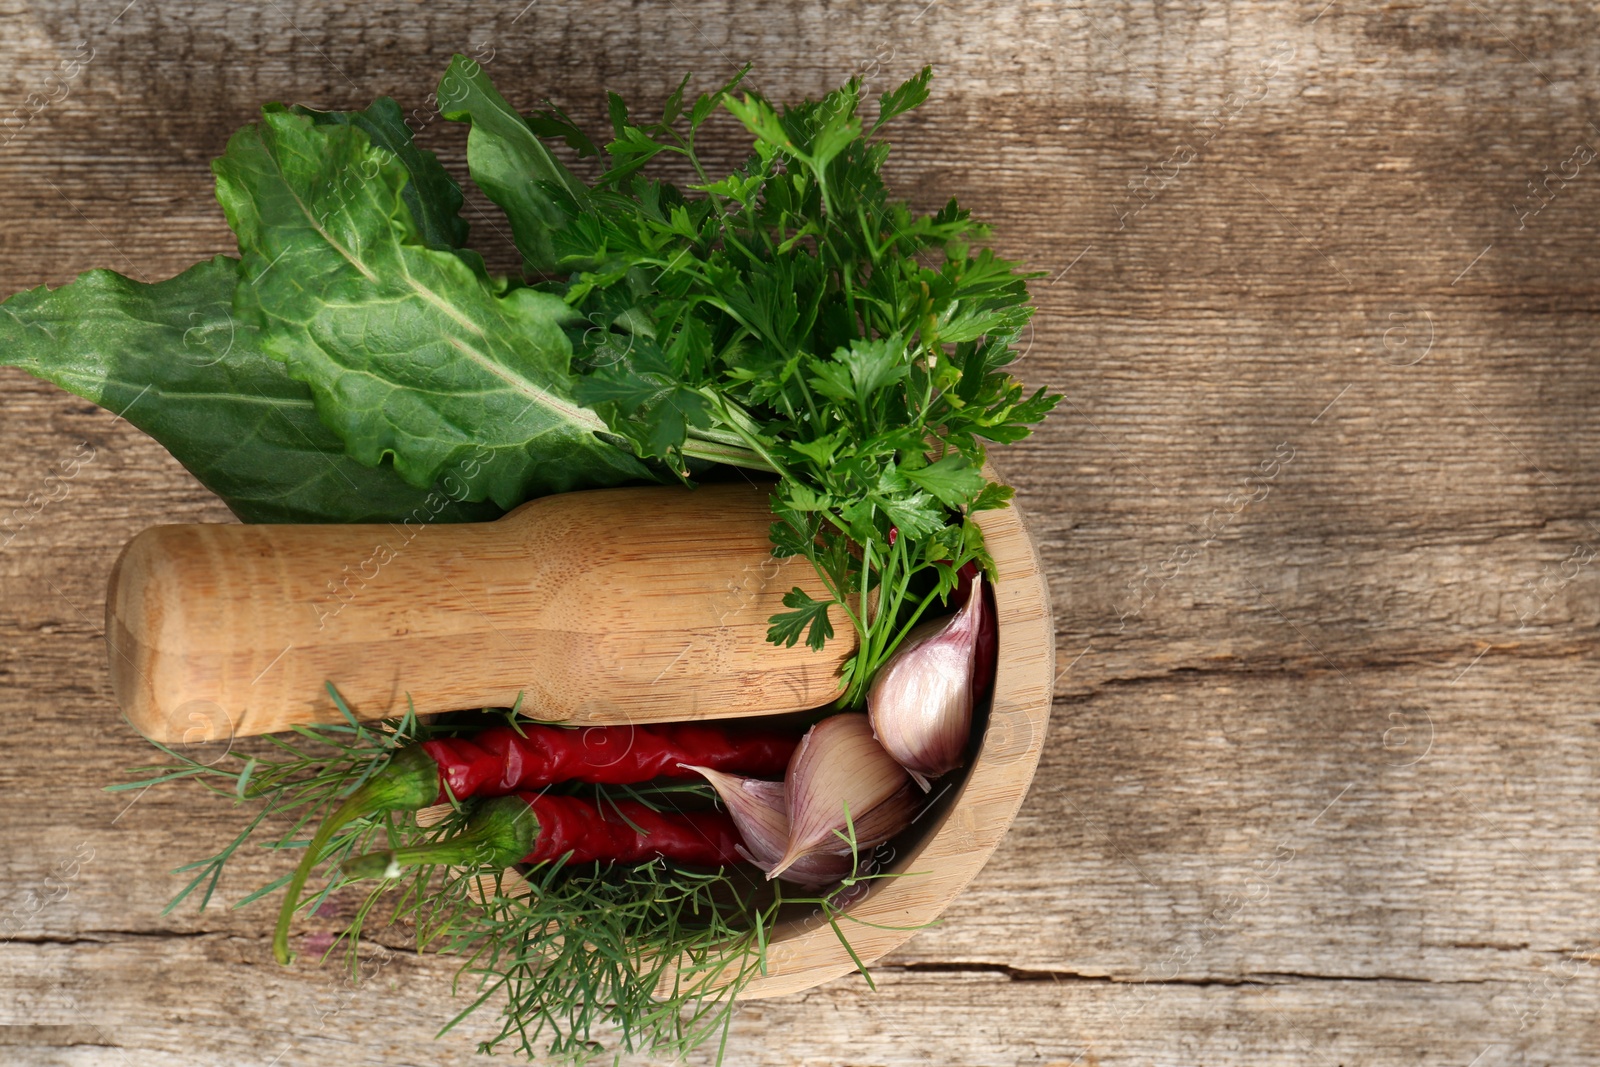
x=302, y=777
x=583, y=962
x=648, y=956
x=578, y=962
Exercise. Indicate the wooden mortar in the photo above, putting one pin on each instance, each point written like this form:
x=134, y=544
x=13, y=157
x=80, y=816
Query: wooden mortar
x=940, y=862
x=607, y=606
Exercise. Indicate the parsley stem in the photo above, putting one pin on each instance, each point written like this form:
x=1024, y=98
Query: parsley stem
x=866, y=584
x=743, y=426
x=850, y=300
x=721, y=437
x=733, y=455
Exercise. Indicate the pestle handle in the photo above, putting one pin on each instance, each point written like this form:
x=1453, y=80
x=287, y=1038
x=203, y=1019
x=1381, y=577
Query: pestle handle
x=602, y=607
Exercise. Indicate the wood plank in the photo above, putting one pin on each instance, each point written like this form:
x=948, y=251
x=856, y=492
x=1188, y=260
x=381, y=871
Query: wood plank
x=915, y=1015
x=1236, y=683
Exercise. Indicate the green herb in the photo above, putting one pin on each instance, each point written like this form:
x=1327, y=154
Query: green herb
x=789, y=317
x=173, y=360
x=577, y=963
x=300, y=778
x=794, y=310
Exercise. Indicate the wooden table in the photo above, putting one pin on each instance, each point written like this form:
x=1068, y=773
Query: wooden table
x=1318, y=512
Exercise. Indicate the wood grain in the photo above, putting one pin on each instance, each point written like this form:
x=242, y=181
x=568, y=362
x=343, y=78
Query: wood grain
x=1320, y=782
x=607, y=607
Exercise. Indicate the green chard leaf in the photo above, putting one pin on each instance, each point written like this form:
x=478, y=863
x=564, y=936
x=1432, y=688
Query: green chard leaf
x=432, y=196
x=409, y=351
x=554, y=122
x=509, y=162
x=173, y=360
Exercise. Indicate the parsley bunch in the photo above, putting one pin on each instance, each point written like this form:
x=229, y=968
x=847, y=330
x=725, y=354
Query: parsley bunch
x=794, y=311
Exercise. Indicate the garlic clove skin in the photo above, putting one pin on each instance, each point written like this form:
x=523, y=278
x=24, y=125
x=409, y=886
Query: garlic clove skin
x=757, y=809
x=759, y=813
x=921, y=701
x=983, y=677
x=817, y=870
x=876, y=826
x=840, y=768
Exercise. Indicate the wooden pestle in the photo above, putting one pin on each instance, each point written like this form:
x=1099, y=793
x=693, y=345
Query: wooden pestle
x=605, y=607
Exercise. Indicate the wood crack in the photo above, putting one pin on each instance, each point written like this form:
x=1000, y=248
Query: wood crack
x=1261, y=978
x=1439, y=657
x=111, y=937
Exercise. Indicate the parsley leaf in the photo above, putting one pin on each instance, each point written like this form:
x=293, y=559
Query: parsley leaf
x=808, y=615
x=910, y=94
x=953, y=479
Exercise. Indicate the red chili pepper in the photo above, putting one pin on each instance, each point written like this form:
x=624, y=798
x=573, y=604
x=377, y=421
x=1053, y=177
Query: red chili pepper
x=628, y=832
x=499, y=761
x=538, y=827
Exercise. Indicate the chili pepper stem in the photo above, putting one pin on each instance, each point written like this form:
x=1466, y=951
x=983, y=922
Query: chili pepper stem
x=409, y=781
x=498, y=834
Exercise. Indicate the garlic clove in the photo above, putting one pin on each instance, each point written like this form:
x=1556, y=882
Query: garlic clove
x=838, y=769
x=759, y=814
x=876, y=826
x=988, y=635
x=819, y=869
x=757, y=809
x=920, y=704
